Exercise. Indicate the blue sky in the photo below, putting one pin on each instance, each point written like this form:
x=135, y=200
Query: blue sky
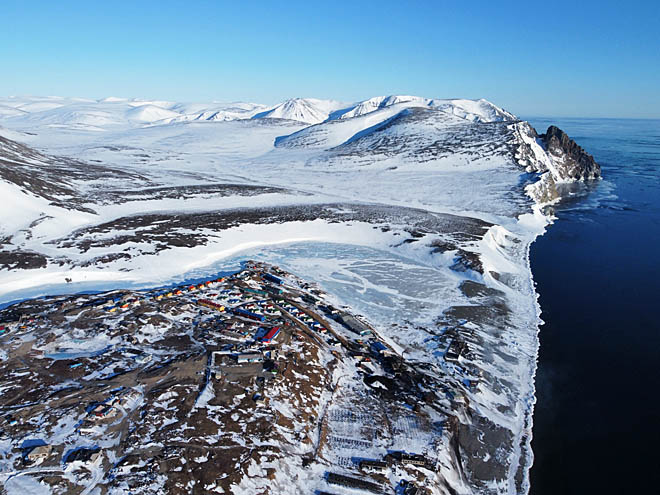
x=533, y=58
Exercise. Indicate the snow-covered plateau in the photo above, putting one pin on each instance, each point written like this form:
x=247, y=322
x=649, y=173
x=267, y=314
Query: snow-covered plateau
x=415, y=214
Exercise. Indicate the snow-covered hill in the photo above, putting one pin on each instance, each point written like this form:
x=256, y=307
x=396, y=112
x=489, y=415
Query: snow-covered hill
x=475, y=110
x=308, y=110
x=149, y=113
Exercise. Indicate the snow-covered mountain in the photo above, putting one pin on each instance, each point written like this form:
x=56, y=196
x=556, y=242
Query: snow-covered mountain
x=308, y=110
x=112, y=110
x=478, y=110
x=216, y=112
x=416, y=212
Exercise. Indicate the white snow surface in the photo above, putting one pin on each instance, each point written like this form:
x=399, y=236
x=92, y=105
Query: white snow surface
x=475, y=110
x=309, y=110
x=25, y=484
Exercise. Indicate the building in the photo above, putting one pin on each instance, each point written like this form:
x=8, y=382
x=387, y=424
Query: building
x=378, y=347
x=329, y=310
x=250, y=357
x=210, y=304
x=270, y=335
x=82, y=454
x=257, y=292
x=414, y=459
x=39, y=453
x=104, y=411
x=369, y=466
x=248, y=314
x=455, y=350
x=273, y=290
x=353, y=324
x=355, y=483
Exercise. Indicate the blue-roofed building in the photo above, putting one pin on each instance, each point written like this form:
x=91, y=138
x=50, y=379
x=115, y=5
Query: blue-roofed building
x=379, y=347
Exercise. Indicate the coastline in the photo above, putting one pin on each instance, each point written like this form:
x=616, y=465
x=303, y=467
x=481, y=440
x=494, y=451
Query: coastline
x=520, y=474
x=597, y=342
x=529, y=418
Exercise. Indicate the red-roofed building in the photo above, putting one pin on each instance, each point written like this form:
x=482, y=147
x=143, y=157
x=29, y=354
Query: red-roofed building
x=270, y=336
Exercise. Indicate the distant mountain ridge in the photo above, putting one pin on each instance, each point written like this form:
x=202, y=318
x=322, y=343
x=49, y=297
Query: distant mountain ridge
x=112, y=110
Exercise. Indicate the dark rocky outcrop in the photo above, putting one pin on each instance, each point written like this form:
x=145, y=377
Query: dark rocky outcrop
x=482, y=446
x=58, y=179
x=23, y=260
x=577, y=164
x=555, y=156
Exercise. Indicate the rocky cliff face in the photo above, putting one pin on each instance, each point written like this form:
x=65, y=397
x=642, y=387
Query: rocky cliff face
x=556, y=157
x=574, y=162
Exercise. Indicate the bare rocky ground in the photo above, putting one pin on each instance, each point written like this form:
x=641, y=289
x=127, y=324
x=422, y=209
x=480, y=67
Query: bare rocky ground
x=144, y=392
x=55, y=178
x=164, y=231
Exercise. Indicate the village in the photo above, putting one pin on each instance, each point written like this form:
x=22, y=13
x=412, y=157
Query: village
x=118, y=389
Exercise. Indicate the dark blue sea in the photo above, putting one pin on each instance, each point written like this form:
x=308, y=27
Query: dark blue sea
x=597, y=269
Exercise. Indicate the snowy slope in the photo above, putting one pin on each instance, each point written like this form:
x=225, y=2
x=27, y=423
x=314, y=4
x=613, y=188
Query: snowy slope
x=149, y=113
x=308, y=110
x=474, y=110
x=335, y=132
x=378, y=102
x=8, y=111
x=215, y=112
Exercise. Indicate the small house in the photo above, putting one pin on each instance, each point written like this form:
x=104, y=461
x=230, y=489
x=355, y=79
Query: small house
x=82, y=454
x=39, y=453
x=414, y=459
x=369, y=466
x=250, y=357
x=378, y=347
